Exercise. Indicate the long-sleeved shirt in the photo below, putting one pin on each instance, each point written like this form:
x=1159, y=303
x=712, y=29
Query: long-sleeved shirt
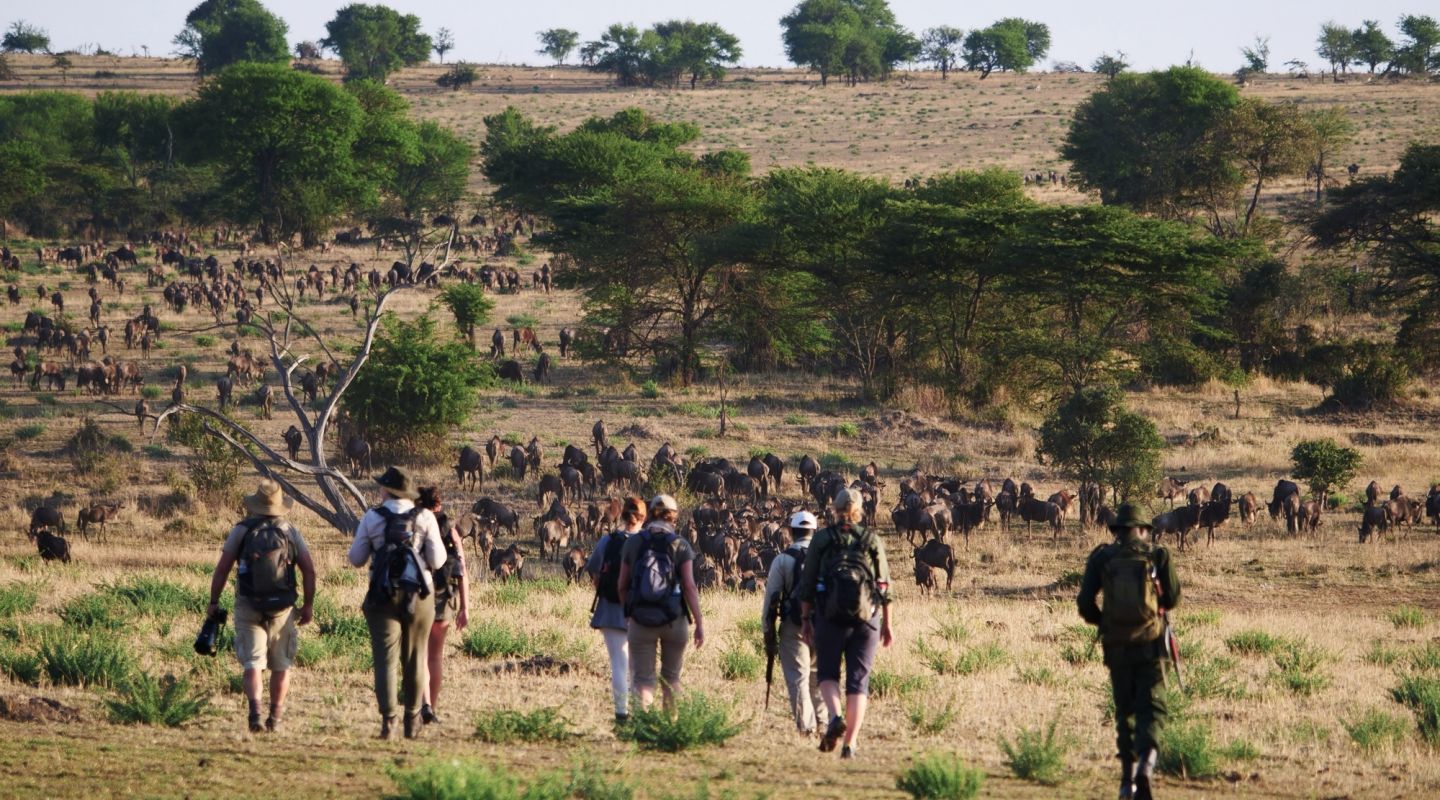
x=828, y=539
x=370, y=537
x=782, y=578
x=1091, y=584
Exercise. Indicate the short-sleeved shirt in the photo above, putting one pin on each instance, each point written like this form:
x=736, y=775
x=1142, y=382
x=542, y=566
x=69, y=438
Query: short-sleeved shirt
x=607, y=614
x=235, y=540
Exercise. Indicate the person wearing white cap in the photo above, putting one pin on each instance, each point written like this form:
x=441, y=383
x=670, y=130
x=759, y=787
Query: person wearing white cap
x=782, y=603
x=657, y=590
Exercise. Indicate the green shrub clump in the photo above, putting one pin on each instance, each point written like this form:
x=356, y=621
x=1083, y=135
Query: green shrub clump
x=698, y=721
x=940, y=777
x=507, y=725
x=146, y=700
x=1035, y=755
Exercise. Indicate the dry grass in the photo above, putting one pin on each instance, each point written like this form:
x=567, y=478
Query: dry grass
x=1013, y=593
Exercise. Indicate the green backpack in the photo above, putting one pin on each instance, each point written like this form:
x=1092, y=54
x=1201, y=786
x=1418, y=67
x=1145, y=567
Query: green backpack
x=1131, y=610
x=847, y=582
x=266, y=567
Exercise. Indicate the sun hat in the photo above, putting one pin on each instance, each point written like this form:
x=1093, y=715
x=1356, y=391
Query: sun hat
x=398, y=482
x=1127, y=517
x=269, y=500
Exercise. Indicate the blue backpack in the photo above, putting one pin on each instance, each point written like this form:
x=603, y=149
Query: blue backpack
x=654, y=597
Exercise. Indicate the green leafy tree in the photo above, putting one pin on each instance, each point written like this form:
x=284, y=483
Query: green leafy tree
x=1337, y=46
x=23, y=37
x=1372, y=46
x=374, y=40
x=694, y=50
x=1011, y=44
x=941, y=46
x=1269, y=141
x=1092, y=438
x=624, y=52
x=458, y=77
x=856, y=38
x=444, y=42
x=1420, y=52
x=558, y=43
x=467, y=301
x=284, y=144
x=1109, y=65
x=22, y=174
x=219, y=33
x=429, y=179
x=1150, y=141
x=1324, y=465
x=414, y=387
x=1257, y=55
x=1330, y=131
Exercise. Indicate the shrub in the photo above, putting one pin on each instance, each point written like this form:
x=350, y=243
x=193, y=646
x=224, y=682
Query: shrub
x=697, y=721
x=1376, y=730
x=22, y=666
x=796, y=419
x=885, y=684
x=1324, y=465
x=146, y=700
x=940, y=777
x=1037, y=676
x=468, y=780
x=508, y=725
x=740, y=664
x=489, y=639
x=18, y=598
x=650, y=390
x=1408, y=617
x=846, y=430
x=1421, y=694
x=27, y=432
x=471, y=308
x=92, y=611
x=1240, y=750
x=1036, y=756
x=205, y=340
x=1426, y=658
x=71, y=659
x=1187, y=750
x=215, y=469
x=458, y=76
x=1299, y=668
x=1253, y=643
x=928, y=724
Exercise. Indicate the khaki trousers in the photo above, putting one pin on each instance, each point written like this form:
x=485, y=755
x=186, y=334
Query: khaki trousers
x=801, y=681
x=398, y=645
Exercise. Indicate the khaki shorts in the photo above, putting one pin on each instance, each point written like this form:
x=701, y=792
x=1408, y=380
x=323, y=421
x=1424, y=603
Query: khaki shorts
x=264, y=642
x=446, y=611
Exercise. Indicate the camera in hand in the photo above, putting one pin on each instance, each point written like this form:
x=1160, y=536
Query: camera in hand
x=207, y=643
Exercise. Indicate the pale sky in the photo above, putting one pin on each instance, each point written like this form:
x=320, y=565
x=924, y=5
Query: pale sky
x=1153, y=33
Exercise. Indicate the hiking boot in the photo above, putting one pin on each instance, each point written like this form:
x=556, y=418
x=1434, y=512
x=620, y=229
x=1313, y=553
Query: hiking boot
x=847, y=752
x=387, y=725
x=621, y=720
x=412, y=727
x=832, y=735
x=427, y=715
x=1127, y=779
x=272, y=723
x=1144, y=772
x=255, y=726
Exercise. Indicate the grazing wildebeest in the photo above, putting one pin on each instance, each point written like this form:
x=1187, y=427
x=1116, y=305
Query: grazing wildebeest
x=518, y=463
x=357, y=455
x=550, y=487
x=1283, y=490
x=542, y=367
x=1215, y=511
x=508, y=563
x=939, y=555
x=1170, y=488
x=1373, y=521
x=293, y=440
x=53, y=547
x=45, y=518
x=776, y=465
x=1308, y=520
x=1249, y=508
x=924, y=576
x=511, y=371
x=575, y=565
x=1180, y=521
x=553, y=537
x=98, y=514
x=807, y=471
x=469, y=466
x=567, y=339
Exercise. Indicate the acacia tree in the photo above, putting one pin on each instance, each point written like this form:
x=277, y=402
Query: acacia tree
x=1092, y=438
x=374, y=40
x=858, y=38
x=219, y=33
x=444, y=43
x=941, y=46
x=1011, y=44
x=685, y=48
x=1372, y=46
x=23, y=37
x=1109, y=65
x=1337, y=46
x=558, y=43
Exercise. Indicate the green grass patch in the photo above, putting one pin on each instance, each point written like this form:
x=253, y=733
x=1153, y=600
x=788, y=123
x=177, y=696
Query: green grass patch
x=796, y=419
x=490, y=639
x=521, y=321
x=1198, y=618
x=145, y=700
x=691, y=408
x=1402, y=617
x=838, y=462
x=1036, y=755
x=1425, y=658
x=698, y=721
x=85, y=659
x=156, y=597
x=650, y=390
x=508, y=725
x=1037, y=676
x=93, y=611
x=1300, y=668
x=1376, y=730
x=930, y=721
x=1212, y=677
x=1253, y=643
x=152, y=392
x=1421, y=694
x=938, y=776
x=205, y=340
x=845, y=430
x=1240, y=750
x=952, y=630
x=1187, y=750
x=740, y=663
x=27, y=432
x=1380, y=655
x=18, y=598
x=885, y=684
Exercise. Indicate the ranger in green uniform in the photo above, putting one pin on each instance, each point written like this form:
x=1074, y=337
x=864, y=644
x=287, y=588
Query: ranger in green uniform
x=1138, y=583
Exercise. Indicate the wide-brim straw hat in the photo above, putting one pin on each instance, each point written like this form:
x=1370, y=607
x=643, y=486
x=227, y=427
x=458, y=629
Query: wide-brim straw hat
x=269, y=500
x=1127, y=517
x=399, y=483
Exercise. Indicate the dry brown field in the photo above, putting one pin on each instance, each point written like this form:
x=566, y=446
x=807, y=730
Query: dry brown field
x=1010, y=612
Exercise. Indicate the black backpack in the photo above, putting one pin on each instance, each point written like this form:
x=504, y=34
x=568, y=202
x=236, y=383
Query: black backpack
x=265, y=574
x=654, y=598
x=848, y=581
x=395, y=573
x=789, y=605
x=608, y=586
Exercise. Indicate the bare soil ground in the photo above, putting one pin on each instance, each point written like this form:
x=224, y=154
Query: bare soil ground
x=1012, y=595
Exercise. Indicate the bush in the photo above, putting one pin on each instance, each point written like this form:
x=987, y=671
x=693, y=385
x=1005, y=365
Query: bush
x=1253, y=643
x=215, y=469
x=458, y=76
x=27, y=432
x=1376, y=730
x=846, y=430
x=507, y=725
x=1324, y=465
x=1408, y=617
x=22, y=666
x=1240, y=750
x=71, y=659
x=92, y=611
x=149, y=701
x=1299, y=668
x=467, y=301
x=158, y=598
x=698, y=721
x=740, y=664
x=1426, y=658
x=885, y=684
x=1421, y=694
x=205, y=340
x=650, y=390
x=489, y=639
x=940, y=777
x=468, y=780
x=1036, y=756
x=927, y=724
x=18, y=598
x=1187, y=750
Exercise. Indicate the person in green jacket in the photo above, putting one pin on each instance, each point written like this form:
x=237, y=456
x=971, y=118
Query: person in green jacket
x=1138, y=584
x=845, y=612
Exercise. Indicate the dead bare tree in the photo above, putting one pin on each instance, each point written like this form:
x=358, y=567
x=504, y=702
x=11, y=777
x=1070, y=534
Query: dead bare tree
x=338, y=502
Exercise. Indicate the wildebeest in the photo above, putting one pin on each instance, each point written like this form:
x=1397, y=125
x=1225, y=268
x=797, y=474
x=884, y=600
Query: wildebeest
x=924, y=576
x=1215, y=511
x=497, y=344
x=518, y=463
x=1033, y=510
x=1374, y=521
x=550, y=487
x=1372, y=493
x=357, y=455
x=553, y=537
x=542, y=367
x=293, y=440
x=265, y=395
x=600, y=437
x=1180, y=521
x=1169, y=489
x=510, y=371
x=567, y=338
x=45, y=518
x=1249, y=508
x=224, y=389
x=1283, y=490
x=507, y=563
x=98, y=514
x=939, y=555
x=53, y=547
x=469, y=466
x=1308, y=516
x=575, y=565
x=497, y=514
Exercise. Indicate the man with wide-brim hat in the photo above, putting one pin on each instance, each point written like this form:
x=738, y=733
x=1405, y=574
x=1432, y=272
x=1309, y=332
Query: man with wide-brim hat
x=266, y=549
x=1138, y=584
x=399, y=623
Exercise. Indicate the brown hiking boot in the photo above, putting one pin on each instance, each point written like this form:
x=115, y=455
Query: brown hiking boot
x=832, y=735
x=387, y=724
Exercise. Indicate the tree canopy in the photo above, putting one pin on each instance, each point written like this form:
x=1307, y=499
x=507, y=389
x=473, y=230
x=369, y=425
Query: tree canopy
x=374, y=40
x=558, y=43
x=219, y=33
x=663, y=54
x=859, y=39
x=941, y=46
x=1092, y=438
x=1010, y=45
x=23, y=37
